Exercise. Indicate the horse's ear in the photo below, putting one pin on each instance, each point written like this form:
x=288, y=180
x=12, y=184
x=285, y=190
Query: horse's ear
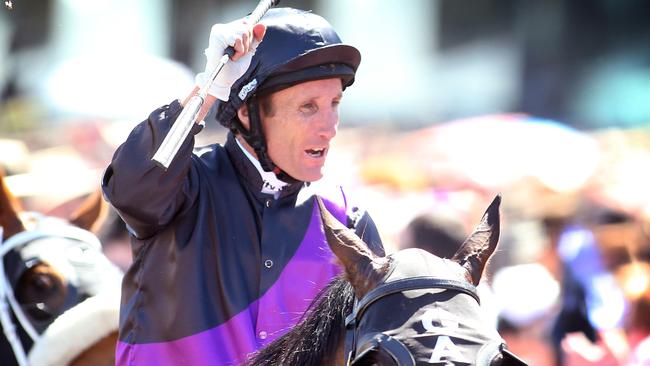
x=474, y=253
x=91, y=212
x=363, y=269
x=9, y=211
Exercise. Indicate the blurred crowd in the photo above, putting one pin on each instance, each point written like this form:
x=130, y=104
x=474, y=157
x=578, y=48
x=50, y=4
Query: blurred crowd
x=570, y=284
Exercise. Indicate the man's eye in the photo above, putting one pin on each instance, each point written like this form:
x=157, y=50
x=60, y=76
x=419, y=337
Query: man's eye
x=308, y=107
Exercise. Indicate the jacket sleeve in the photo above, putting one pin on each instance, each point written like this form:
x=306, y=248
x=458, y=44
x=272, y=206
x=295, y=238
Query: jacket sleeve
x=147, y=196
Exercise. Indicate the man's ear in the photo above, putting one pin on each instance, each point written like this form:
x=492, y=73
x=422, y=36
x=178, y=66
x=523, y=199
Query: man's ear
x=242, y=113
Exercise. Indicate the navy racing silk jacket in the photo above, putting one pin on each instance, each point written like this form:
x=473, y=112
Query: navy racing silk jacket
x=219, y=268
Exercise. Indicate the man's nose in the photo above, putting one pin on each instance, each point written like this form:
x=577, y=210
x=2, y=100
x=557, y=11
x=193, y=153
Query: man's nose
x=329, y=124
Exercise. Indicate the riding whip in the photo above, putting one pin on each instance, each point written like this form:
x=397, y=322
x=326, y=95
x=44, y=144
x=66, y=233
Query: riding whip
x=181, y=128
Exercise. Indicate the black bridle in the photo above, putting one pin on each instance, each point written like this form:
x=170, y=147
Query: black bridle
x=391, y=350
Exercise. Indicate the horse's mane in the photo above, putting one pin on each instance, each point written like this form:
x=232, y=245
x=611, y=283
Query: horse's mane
x=317, y=335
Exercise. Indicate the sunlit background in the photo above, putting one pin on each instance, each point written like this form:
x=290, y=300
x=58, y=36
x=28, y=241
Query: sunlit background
x=545, y=102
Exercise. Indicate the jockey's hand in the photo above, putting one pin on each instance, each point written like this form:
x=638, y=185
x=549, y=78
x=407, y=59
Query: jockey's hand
x=244, y=38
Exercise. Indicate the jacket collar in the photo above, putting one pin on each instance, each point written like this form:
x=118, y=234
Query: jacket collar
x=250, y=174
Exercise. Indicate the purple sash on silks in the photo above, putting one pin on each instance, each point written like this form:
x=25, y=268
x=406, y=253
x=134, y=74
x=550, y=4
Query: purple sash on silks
x=280, y=308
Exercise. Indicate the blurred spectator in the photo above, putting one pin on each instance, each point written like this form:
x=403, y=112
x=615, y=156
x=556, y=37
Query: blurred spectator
x=115, y=240
x=527, y=297
x=599, y=323
x=439, y=232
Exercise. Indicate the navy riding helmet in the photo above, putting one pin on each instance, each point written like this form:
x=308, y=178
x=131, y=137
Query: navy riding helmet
x=298, y=46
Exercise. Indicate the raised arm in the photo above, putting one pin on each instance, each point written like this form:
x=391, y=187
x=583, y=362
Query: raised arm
x=146, y=195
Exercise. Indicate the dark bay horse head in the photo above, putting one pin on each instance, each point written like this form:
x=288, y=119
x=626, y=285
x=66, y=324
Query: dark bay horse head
x=59, y=295
x=409, y=308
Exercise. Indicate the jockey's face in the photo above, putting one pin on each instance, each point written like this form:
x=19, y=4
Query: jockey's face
x=299, y=122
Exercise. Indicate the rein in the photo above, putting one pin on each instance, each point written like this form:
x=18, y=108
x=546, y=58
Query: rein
x=397, y=350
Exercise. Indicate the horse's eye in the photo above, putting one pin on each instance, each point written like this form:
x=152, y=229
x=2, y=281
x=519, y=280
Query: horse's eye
x=42, y=291
x=43, y=283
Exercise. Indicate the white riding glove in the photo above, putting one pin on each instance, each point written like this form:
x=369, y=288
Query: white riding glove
x=222, y=36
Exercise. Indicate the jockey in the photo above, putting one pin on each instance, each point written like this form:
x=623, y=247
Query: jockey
x=228, y=248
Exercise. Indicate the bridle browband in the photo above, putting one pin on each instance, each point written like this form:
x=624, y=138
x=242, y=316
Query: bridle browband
x=396, y=349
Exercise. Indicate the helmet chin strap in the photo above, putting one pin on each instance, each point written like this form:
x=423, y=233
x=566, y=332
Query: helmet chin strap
x=254, y=136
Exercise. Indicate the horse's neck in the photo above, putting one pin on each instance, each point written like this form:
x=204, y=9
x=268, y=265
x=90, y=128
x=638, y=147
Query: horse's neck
x=101, y=353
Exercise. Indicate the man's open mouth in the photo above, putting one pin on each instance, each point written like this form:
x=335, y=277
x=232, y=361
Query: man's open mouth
x=315, y=153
